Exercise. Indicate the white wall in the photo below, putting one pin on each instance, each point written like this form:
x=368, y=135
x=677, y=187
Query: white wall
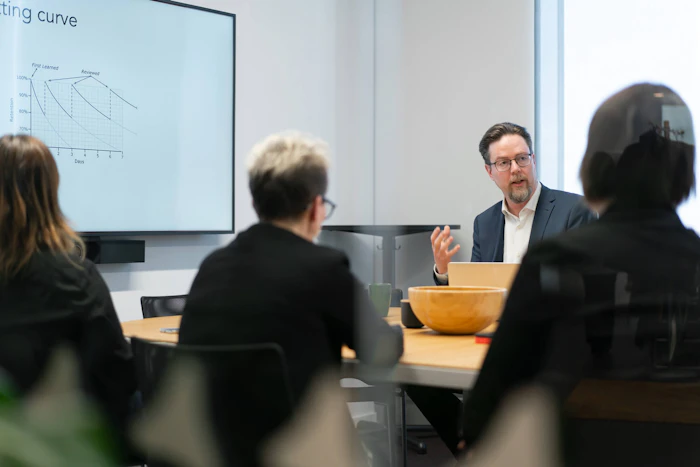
x=402, y=111
x=446, y=71
x=305, y=65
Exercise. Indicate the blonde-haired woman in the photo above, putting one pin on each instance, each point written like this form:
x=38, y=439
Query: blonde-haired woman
x=274, y=284
x=49, y=295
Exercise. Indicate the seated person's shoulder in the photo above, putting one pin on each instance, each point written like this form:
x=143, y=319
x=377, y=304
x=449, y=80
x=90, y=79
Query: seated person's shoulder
x=66, y=278
x=61, y=267
x=330, y=258
x=215, y=257
x=569, y=199
x=306, y=258
x=575, y=205
x=573, y=246
x=325, y=263
x=556, y=249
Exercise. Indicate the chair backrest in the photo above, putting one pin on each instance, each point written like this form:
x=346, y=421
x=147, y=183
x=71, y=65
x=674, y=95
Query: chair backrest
x=170, y=305
x=613, y=324
x=642, y=389
x=151, y=360
x=623, y=352
x=645, y=364
x=248, y=389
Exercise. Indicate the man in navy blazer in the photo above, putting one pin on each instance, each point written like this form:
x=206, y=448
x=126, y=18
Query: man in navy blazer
x=529, y=212
x=557, y=211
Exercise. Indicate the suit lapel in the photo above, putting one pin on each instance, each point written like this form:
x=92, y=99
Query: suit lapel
x=544, y=209
x=497, y=256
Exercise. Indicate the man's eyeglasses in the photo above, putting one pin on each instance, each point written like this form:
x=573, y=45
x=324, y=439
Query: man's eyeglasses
x=330, y=206
x=503, y=165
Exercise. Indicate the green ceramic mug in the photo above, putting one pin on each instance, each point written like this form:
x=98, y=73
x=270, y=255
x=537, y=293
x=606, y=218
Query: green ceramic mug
x=380, y=294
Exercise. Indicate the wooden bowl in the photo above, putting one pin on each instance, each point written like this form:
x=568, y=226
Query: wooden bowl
x=459, y=309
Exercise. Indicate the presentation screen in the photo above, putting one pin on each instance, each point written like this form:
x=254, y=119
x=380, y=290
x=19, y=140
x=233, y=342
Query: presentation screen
x=135, y=99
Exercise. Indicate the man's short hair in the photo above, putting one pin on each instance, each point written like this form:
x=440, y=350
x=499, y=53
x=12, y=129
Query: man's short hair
x=633, y=158
x=498, y=131
x=286, y=172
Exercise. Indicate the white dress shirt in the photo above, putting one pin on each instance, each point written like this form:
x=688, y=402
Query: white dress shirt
x=516, y=235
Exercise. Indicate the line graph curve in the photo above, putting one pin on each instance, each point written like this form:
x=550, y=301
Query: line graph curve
x=79, y=113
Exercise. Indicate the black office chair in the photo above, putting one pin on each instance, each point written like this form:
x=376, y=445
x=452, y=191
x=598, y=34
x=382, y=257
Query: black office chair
x=242, y=382
x=625, y=364
x=172, y=305
x=649, y=408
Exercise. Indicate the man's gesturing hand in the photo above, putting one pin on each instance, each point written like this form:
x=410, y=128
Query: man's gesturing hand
x=441, y=241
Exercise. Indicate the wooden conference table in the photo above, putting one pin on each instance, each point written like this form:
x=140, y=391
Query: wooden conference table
x=429, y=359
x=432, y=359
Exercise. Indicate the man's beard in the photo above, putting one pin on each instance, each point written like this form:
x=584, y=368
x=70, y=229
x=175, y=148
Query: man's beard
x=520, y=194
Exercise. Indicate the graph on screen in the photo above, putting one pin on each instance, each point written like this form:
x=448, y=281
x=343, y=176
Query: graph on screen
x=79, y=114
x=139, y=121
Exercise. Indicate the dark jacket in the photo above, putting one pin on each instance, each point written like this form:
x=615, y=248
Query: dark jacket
x=55, y=301
x=270, y=285
x=557, y=211
x=595, y=302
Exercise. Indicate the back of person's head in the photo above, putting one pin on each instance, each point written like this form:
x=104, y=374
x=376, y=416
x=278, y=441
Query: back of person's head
x=636, y=157
x=287, y=172
x=30, y=217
